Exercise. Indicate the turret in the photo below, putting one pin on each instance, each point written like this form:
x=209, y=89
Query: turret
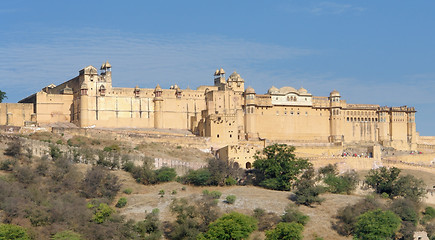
x=250, y=106
x=158, y=99
x=236, y=83
x=219, y=78
x=336, y=117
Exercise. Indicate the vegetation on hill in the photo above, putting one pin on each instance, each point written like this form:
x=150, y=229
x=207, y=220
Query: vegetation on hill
x=54, y=199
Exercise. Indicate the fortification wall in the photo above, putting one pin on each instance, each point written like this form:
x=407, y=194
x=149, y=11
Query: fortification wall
x=16, y=114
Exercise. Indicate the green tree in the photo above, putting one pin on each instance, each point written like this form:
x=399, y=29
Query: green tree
x=292, y=214
x=10, y=232
x=150, y=228
x=409, y=187
x=277, y=167
x=103, y=213
x=165, y=174
x=345, y=183
x=232, y=226
x=286, y=231
x=377, y=225
x=2, y=96
x=382, y=179
x=307, y=193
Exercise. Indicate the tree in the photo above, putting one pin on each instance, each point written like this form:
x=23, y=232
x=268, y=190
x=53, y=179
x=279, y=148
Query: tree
x=2, y=96
x=292, y=214
x=165, y=174
x=99, y=182
x=307, y=193
x=277, y=167
x=377, y=225
x=345, y=183
x=382, y=179
x=10, y=232
x=348, y=216
x=387, y=181
x=286, y=231
x=150, y=228
x=232, y=226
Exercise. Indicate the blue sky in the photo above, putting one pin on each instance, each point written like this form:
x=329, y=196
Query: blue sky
x=375, y=52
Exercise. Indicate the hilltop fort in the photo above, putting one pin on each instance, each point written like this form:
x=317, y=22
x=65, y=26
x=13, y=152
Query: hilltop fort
x=226, y=113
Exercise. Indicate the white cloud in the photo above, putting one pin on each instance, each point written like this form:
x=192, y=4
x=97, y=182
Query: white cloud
x=334, y=8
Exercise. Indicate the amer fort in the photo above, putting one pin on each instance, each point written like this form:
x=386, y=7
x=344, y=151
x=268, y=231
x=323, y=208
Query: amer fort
x=231, y=120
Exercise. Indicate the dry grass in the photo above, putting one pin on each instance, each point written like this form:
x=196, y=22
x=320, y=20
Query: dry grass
x=145, y=198
x=172, y=151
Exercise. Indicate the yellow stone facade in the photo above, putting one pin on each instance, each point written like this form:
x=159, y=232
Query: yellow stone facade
x=225, y=112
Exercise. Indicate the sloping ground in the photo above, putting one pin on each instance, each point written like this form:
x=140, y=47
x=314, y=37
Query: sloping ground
x=145, y=198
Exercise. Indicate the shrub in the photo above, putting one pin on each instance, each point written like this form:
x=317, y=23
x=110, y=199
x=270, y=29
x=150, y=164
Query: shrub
x=428, y=214
x=66, y=235
x=234, y=226
x=198, y=177
x=8, y=164
x=307, y=193
x=103, y=213
x=113, y=147
x=265, y=220
x=162, y=193
x=14, y=149
x=292, y=214
x=348, y=216
x=286, y=231
x=377, y=224
x=230, y=181
x=121, y=202
x=128, y=191
x=59, y=142
x=345, y=183
x=55, y=152
x=150, y=228
x=174, y=192
x=99, y=182
x=9, y=231
x=165, y=174
x=230, y=199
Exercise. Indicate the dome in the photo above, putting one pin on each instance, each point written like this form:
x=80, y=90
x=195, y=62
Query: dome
x=158, y=88
x=222, y=71
x=272, y=90
x=105, y=65
x=334, y=93
x=287, y=90
x=235, y=75
x=302, y=90
x=217, y=72
x=250, y=90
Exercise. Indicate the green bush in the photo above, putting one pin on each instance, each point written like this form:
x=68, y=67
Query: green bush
x=165, y=174
x=66, y=235
x=286, y=231
x=198, y=177
x=162, y=193
x=59, y=142
x=112, y=147
x=345, y=183
x=121, y=202
x=292, y=214
x=127, y=191
x=235, y=226
x=103, y=213
x=230, y=199
x=377, y=224
x=10, y=232
x=230, y=181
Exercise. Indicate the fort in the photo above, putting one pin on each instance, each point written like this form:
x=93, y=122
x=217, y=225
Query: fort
x=235, y=119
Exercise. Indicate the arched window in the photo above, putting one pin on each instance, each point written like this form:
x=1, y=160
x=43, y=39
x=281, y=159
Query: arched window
x=248, y=165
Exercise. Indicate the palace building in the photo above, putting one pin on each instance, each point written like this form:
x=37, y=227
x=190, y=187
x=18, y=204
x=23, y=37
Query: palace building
x=225, y=112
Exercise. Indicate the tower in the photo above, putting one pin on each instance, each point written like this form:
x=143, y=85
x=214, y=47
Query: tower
x=336, y=117
x=250, y=106
x=219, y=79
x=158, y=101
